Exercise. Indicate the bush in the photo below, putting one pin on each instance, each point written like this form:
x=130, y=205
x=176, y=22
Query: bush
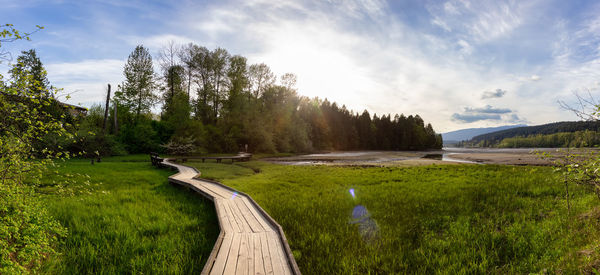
x=180, y=146
x=27, y=232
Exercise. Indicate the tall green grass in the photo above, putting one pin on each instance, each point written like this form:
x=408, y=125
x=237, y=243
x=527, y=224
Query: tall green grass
x=124, y=217
x=450, y=219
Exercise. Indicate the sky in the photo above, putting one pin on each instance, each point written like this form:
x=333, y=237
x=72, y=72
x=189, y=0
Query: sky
x=458, y=64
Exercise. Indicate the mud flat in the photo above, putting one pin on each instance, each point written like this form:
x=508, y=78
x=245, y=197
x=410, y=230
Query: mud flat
x=509, y=156
x=503, y=158
x=517, y=156
x=361, y=158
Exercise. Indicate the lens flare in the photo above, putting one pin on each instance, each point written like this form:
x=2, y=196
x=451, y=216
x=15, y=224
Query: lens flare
x=367, y=226
x=352, y=192
x=234, y=195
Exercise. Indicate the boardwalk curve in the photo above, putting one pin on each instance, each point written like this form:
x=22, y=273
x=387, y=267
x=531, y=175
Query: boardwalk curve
x=250, y=242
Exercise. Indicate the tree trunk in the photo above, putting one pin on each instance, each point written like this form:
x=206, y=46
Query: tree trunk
x=189, y=81
x=106, y=110
x=216, y=99
x=139, y=107
x=172, y=86
x=116, y=126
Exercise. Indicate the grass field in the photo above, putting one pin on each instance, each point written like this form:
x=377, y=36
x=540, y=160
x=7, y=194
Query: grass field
x=126, y=219
x=451, y=219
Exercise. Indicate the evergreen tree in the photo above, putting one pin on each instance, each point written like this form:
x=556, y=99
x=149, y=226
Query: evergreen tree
x=137, y=92
x=30, y=70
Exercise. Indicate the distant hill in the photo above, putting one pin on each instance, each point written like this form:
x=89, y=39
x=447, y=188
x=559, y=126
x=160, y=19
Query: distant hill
x=545, y=129
x=466, y=134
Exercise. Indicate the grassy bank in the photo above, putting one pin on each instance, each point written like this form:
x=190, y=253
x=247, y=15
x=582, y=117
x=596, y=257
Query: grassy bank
x=433, y=219
x=124, y=217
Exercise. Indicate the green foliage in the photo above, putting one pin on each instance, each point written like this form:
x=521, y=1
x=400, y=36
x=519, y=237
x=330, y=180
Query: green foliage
x=180, y=147
x=92, y=140
x=565, y=140
x=123, y=217
x=454, y=219
x=137, y=92
x=239, y=104
x=8, y=33
x=236, y=104
x=30, y=66
x=27, y=233
x=558, y=134
x=580, y=167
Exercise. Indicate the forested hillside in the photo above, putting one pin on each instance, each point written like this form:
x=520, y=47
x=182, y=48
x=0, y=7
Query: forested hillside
x=213, y=101
x=454, y=137
x=558, y=134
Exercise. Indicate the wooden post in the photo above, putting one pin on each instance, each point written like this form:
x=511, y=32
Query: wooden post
x=106, y=110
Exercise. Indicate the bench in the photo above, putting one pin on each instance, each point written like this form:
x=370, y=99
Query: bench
x=155, y=159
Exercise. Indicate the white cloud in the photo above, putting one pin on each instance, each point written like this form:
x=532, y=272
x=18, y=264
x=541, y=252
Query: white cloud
x=482, y=21
x=440, y=23
x=465, y=47
x=156, y=42
x=361, y=54
x=498, y=93
x=87, y=80
x=341, y=52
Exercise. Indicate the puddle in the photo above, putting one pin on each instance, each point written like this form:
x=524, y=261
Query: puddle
x=446, y=157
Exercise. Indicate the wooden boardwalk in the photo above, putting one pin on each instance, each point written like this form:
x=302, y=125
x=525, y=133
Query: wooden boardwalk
x=250, y=242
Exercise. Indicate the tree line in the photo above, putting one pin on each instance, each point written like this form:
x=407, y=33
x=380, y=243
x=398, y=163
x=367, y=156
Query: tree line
x=576, y=139
x=213, y=101
x=542, y=134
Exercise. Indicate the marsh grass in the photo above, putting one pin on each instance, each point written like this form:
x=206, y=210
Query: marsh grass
x=124, y=217
x=451, y=219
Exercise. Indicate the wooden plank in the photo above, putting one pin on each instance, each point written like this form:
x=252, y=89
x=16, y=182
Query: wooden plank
x=250, y=253
x=264, y=247
x=233, y=255
x=259, y=266
x=200, y=188
x=222, y=255
x=204, y=189
x=226, y=194
x=274, y=252
x=217, y=189
x=248, y=243
x=239, y=217
x=243, y=255
x=223, y=220
x=212, y=257
x=234, y=223
x=282, y=255
x=259, y=216
x=255, y=226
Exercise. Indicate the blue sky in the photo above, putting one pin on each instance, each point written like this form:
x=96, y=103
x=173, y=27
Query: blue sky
x=458, y=64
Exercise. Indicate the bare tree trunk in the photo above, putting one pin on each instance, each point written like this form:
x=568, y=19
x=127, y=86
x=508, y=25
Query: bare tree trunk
x=139, y=107
x=216, y=99
x=116, y=119
x=189, y=81
x=172, y=85
x=106, y=110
